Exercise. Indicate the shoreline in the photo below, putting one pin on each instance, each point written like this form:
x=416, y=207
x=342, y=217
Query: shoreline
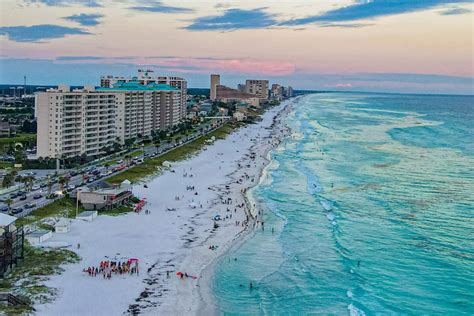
x=206, y=307
x=176, y=235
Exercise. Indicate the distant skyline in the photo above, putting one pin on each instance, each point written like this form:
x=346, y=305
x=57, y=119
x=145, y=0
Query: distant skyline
x=405, y=46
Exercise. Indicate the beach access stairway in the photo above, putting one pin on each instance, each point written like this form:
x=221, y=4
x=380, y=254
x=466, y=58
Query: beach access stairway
x=12, y=300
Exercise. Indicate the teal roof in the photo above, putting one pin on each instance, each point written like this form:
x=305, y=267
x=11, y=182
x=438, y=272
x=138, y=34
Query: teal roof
x=136, y=86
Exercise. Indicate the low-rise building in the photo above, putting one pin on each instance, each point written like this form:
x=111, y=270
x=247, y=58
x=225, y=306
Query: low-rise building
x=38, y=236
x=228, y=95
x=62, y=226
x=6, y=130
x=106, y=198
x=239, y=116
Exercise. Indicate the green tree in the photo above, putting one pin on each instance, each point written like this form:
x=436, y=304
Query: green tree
x=63, y=182
x=50, y=185
x=28, y=182
x=9, y=203
x=8, y=179
x=127, y=159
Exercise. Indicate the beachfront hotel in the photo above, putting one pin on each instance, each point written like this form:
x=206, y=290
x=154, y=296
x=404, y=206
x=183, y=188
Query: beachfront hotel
x=225, y=94
x=87, y=121
x=258, y=88
x=146, y=76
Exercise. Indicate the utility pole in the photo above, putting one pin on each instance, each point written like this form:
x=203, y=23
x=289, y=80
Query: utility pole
x=24, y=85
x=77, y=201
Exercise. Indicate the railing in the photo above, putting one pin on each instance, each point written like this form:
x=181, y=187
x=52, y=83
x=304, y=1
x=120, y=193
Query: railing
x=12, y=299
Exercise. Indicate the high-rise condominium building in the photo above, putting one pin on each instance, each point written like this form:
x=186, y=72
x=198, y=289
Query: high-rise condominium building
x=258, y=88
x=277, y=91
x=215, y=81
x=87, y=121
x=145, y=77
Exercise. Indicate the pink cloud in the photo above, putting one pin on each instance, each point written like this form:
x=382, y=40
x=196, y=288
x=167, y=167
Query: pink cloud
x=203, y=65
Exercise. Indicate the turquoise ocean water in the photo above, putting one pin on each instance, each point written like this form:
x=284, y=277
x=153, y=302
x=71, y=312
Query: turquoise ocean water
x=383, y=180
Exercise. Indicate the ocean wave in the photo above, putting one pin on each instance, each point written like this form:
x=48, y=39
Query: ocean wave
x=354, y=311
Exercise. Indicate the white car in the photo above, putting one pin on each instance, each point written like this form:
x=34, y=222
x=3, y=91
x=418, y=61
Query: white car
x=35, y=187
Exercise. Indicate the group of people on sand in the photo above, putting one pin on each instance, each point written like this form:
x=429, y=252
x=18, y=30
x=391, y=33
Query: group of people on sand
x=108, y=268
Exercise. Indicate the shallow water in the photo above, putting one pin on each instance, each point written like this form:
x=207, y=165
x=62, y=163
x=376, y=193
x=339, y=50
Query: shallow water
x=372, y=204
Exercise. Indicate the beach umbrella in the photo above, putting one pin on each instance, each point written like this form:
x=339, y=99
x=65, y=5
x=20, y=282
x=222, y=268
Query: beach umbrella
x=179, y=273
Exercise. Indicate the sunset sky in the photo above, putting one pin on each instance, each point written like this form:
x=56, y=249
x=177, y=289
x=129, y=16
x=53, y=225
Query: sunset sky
x=394, y=46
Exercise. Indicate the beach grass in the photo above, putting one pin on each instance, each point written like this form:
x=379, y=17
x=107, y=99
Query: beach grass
x=26, y=278
x=152, y=165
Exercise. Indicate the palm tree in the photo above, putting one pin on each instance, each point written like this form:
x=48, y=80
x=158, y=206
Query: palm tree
x=50, y=185
x=9, y=204
x=25, y=181
x=29, y=182
x=8, y=179
x=63, y=182
x=127, y=159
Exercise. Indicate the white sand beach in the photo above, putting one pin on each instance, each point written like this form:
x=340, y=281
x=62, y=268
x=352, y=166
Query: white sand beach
x=175, y=236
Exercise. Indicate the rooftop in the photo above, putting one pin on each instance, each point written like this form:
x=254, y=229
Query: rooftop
x=223, y=92
x=6, y=220
x=136, y=86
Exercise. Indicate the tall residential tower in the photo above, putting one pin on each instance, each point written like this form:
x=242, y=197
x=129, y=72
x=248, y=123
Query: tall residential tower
x=215, y=81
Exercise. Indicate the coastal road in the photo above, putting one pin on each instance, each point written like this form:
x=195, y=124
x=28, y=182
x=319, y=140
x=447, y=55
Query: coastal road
x=28, y=202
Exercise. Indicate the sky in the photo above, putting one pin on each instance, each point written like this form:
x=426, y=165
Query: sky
x=406, y=46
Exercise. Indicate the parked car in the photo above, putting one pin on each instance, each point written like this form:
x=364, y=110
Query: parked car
x=27, y=206
x=43, y=185
x=14, y=195
x=35, y=187
x=17, y=210
x=73, y=173
x=4, y=208
x=70, y=187
x=23, y=197
x=37, y=196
